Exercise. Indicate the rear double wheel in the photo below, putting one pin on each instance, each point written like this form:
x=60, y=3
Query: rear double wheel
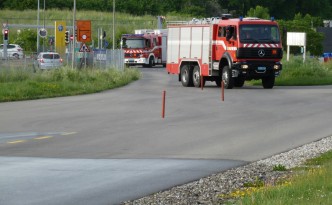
x=197, y=77
x=186, y=76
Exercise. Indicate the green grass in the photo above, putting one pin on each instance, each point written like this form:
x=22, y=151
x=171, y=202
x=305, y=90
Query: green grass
x=310, y=185
x=21, y=84
x=311, y=72
x=296, y=73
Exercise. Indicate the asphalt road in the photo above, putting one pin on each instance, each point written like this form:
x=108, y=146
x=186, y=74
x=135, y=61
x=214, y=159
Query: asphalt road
x=114, y=146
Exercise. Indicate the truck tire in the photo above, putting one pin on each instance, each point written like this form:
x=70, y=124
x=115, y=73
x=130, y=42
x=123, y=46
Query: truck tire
x=239, y=82
x=151, y=62
x=218, y=82
x=186, y=76
x=197, y=77
x=268, y=82
x=227, y=78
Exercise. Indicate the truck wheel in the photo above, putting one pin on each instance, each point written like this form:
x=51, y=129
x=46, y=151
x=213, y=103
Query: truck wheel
x=227, y=78
x=239, y=82
x=197, y=77
x=268, y=82
x=151, y=62
x=186, y=76
x=218, y=82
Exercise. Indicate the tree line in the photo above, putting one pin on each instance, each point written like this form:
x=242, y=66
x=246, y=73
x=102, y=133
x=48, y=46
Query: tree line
x=280, y=9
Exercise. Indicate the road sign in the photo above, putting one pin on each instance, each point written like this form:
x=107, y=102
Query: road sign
x=42, y=33
x=83, y=30
x=84, y=48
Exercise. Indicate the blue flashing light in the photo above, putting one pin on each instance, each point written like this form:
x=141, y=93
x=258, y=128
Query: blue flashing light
x=272, y=18
x=241, y=18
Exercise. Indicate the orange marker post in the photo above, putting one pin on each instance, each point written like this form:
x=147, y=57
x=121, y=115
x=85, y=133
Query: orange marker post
x=222, y=90
x=202, y=80
x=163, y=105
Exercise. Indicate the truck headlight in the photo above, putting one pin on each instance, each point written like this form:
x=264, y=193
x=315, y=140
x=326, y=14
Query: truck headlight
x=276, y=67
x=244, y=66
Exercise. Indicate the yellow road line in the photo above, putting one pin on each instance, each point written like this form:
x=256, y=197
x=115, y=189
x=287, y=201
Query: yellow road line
x=42, y=137
x=15, y=142
x=68, y=133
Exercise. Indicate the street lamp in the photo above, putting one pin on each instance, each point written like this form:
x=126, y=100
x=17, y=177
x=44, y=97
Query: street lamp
x=74, y=34
x=113, y=24
x=38, y=26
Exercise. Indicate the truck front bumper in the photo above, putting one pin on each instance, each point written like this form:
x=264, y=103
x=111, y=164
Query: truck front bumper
x=256, y=70
x=135, y=61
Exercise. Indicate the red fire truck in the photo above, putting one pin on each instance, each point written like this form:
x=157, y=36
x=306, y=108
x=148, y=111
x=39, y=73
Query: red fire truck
x=224, y=49
x=145, y=47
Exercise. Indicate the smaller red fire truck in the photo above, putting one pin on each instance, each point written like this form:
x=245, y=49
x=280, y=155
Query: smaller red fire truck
x=223, y=49
x=145, y=47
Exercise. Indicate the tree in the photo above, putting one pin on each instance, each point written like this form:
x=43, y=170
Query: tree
x=259, y=12
x=27, y=39
x=305, y=24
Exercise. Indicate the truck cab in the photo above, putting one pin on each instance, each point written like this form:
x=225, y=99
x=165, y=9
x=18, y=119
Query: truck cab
x=145, y=47
x=251, y=49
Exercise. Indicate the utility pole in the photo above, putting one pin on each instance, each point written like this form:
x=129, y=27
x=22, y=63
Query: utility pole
x=113, y=24
x=38, y=26
x=74, y=35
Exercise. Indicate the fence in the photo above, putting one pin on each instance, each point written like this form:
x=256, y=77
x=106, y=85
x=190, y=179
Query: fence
x=97, y=58
x=103, y=58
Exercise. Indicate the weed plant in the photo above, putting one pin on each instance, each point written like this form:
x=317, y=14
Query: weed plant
x=279, y=168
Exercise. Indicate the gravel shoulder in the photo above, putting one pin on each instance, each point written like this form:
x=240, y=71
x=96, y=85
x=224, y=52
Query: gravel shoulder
x=209, y=190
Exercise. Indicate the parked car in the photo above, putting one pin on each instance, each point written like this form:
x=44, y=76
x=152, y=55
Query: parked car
x=13, y=51
x=48, y=60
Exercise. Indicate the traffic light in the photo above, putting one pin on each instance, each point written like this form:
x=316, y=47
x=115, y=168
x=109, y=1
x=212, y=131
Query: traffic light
x=67, y=37
x=5, y=34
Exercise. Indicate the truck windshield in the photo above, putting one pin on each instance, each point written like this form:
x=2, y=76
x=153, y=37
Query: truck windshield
x=259, y=34
x=133, y=43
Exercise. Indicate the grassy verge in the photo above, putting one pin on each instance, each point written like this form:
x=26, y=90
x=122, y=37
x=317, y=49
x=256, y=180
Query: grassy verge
x=297, y=73
x=311, y=184
x=21, y=84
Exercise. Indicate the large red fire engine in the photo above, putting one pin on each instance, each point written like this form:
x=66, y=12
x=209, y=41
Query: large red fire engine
x=224, y=49
x=145, y=47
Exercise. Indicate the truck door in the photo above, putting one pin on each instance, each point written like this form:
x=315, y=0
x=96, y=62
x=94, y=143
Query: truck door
x=220, y=42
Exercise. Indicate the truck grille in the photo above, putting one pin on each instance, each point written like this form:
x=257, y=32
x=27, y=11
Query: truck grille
x=260, y=53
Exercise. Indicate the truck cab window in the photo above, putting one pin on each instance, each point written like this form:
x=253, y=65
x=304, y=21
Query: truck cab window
x=221, y=31
x=155, y=42
x=230, y=33
x=147, y=43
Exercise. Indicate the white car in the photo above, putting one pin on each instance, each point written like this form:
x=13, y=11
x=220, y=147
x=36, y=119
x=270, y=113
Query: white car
x=13, y=51
x=48, y=60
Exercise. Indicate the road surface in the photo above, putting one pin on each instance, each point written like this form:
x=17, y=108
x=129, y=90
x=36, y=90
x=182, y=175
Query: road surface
x=113, y=146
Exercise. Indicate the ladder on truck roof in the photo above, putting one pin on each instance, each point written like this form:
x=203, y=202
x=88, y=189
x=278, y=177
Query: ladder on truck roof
x=150, y=31
x=211, y=20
